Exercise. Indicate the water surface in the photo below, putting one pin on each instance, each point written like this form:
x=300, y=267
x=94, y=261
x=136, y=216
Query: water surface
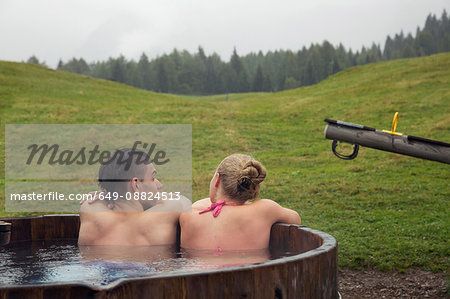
x=37, y=262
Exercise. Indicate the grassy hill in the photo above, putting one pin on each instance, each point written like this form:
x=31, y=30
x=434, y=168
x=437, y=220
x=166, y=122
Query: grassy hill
x=386, y=210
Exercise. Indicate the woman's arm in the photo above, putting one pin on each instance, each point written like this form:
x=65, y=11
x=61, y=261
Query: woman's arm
x=277, y=213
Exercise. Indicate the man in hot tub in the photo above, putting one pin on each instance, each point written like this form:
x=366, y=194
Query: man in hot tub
x=111, y=219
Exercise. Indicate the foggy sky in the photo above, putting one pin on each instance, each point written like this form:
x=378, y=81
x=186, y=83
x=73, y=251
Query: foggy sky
x=99, y=29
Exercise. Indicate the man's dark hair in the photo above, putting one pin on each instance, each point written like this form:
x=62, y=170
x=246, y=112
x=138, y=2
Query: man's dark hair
x=125, y=164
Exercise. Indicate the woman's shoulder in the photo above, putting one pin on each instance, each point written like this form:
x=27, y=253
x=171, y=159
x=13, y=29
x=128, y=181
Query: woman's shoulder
x=265, y=203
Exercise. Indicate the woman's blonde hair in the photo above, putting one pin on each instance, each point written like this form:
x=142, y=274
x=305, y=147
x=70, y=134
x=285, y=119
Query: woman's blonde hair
x=241, y=176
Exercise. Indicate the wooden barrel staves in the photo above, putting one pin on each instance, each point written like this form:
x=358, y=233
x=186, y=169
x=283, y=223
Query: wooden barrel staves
x=311, y=272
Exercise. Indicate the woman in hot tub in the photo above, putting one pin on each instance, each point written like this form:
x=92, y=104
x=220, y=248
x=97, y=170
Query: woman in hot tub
x=232, y=218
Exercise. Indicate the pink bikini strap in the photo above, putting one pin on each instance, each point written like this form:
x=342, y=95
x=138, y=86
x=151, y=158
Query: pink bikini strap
x=216, y=207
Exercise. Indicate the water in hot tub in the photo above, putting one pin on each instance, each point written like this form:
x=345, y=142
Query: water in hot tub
x=37, y=262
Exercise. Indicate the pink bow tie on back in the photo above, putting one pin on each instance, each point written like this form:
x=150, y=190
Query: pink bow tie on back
x=216, y=207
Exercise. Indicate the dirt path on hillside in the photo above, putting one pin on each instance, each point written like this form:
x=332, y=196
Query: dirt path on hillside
x=376, y=284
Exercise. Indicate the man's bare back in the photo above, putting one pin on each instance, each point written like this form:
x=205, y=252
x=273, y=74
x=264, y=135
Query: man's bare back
x=124, y=222
x=103, y=226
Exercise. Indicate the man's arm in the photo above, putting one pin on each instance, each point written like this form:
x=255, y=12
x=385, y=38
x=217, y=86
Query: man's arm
x=201, y=204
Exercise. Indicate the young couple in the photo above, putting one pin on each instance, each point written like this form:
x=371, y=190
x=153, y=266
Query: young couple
x=232, y=218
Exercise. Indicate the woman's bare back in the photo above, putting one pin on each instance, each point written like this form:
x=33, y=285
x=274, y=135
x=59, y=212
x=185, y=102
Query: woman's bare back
x=238, y=227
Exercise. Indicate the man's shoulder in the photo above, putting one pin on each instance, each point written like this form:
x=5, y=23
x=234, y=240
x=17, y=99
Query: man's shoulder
x=99, y=216
x=97, y=206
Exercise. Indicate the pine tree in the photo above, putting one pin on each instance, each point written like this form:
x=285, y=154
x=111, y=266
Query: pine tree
x=240, y=79
x=33, y=60
x=388, y=48
x=267, y=83
x=243, y=82
x=326, y=57
x=213, y=81
x=313, y=66
x=201, y=54
x=236, y=62
x=258, y=81
x=336, y=66
x=118, y=69
x=163, y=84
x=424, y=43
x=82, y=67
x=143, y=70
x=291, y=83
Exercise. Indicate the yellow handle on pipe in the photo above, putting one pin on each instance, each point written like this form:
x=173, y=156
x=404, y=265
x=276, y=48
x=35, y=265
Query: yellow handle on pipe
x=394, y=126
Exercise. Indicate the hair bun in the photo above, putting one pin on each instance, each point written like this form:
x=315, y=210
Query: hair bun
x=255, y=171
x=244, y=183
x=241, y=176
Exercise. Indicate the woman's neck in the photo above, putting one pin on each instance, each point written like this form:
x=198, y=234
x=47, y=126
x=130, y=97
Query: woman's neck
x=229, y=200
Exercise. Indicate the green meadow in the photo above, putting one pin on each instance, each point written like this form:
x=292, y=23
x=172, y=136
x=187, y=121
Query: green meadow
x=386, y=210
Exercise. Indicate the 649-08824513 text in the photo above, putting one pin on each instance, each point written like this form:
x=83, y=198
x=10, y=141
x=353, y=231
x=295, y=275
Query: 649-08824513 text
x=53, y=196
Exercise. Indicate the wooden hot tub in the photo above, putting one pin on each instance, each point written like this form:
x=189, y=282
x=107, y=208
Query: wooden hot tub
x=310, y=273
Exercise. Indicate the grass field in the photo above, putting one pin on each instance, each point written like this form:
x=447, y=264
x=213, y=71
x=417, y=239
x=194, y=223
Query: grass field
x=386, y=210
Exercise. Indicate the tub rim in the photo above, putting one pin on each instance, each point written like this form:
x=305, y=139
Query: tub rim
x=329, y=243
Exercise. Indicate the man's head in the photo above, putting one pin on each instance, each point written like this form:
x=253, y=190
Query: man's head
x=128, y=170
